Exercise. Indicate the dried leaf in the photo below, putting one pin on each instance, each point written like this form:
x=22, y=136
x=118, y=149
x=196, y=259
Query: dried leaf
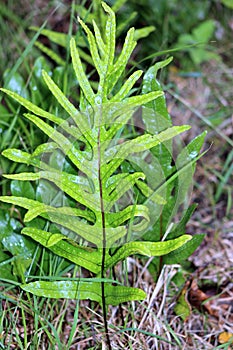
x=225, y=337
x=199, y=299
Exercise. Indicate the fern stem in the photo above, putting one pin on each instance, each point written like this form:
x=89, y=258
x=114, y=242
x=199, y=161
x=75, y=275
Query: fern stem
x=120, y=306
x=104, y=244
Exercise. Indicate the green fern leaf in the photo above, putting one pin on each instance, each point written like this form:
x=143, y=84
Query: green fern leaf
x=86, y=257
x=115, y=295
x=148, y=249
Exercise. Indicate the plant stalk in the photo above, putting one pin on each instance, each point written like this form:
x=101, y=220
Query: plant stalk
x=104, y=245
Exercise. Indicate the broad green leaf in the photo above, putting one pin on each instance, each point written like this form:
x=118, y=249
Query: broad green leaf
x=186, y=160
x=18, y=249
x=147, y=248
x=200, y=35
x=200, y=55
x=155, y=115
x=180, y=227
x=204, y=31
x=183, y=308
x=19, y=188
x=114, y=295
x=191, y=151
x=174, y=176
x=156, y=118
x=40, y=64
x=184, y=252
x=39, y=93
x=22, y=251
x=4, y=112
x=16, y=84
x=6, y=265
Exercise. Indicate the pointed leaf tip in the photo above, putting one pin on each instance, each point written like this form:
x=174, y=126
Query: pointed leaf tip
x=107, y=8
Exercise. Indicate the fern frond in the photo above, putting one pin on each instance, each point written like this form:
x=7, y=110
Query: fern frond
x=88, y=142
